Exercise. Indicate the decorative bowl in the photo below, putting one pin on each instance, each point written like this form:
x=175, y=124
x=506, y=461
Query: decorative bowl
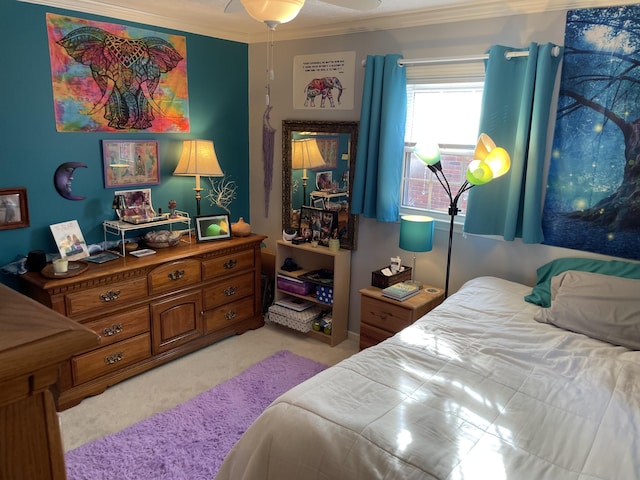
x=162, y=238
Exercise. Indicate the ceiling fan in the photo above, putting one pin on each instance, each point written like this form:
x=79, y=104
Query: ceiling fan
x=275, y=12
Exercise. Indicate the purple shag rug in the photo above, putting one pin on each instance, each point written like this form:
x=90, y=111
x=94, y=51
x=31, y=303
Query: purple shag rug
x=190, y=441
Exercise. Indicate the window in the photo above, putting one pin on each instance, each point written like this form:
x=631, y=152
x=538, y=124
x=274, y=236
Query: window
x=447, y=114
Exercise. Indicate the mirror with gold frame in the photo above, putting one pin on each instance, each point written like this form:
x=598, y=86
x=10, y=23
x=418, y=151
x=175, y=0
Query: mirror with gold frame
x=318, y=161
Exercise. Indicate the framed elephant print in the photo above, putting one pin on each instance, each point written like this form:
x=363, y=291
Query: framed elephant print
x=108, y=77
x=324, y=81
x=130, y=163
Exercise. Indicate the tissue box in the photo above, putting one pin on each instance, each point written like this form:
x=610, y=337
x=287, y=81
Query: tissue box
x=378, y=279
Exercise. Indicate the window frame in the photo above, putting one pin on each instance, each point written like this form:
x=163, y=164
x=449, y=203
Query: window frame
x=442, y=217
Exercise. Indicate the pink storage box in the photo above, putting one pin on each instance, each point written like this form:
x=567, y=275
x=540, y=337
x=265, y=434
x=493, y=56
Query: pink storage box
x=293, y=285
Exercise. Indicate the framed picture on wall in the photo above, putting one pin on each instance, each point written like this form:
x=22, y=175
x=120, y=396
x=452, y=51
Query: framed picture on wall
x=14, y=212
x=130, y=163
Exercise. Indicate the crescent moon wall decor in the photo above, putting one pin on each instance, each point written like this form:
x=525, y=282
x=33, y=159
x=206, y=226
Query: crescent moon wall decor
x=64, y=176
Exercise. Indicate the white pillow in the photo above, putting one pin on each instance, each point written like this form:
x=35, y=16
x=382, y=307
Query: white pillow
x=601, y=306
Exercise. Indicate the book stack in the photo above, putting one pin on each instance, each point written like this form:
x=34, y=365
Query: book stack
x=401, y=291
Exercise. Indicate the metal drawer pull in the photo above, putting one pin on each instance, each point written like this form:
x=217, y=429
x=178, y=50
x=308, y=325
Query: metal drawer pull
x=110, y=295
x=112, y=330
x=230, y=264
x=177, y=275
x=114, y=358
x=230, y=291
x=230, y=315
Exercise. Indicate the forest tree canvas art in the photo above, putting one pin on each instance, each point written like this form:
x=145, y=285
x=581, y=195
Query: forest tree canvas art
x=593, y=194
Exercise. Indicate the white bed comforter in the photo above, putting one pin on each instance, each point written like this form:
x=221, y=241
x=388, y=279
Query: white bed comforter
x=474, y=390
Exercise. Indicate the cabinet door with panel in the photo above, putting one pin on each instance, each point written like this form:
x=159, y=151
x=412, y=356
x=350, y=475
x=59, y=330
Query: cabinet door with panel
x=176, y=320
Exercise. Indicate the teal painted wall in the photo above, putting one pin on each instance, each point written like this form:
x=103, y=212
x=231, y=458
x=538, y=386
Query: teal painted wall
x=31, y=149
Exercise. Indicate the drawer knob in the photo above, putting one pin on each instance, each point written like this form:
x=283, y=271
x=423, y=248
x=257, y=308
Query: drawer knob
x=230, y=291
x=110, y=296
x=230, y=315
x=230, y=264
x=112, y=330
x=114, y=358
x=177, y=275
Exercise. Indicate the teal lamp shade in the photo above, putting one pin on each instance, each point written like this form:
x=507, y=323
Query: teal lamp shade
x=416, y=233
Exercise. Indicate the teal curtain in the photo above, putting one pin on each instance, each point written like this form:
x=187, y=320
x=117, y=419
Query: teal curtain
x=380, y=150
x=515, y=114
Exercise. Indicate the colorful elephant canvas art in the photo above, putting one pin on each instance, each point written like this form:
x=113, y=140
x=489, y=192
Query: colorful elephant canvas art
x=113, y=78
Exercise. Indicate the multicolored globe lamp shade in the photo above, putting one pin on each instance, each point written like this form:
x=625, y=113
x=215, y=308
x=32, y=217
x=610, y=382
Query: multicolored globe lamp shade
x=489, y=162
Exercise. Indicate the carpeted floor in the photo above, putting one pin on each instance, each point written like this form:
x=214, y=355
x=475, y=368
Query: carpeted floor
x=191, y=440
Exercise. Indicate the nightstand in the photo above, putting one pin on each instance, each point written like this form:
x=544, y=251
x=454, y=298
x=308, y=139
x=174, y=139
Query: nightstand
x=382, y=317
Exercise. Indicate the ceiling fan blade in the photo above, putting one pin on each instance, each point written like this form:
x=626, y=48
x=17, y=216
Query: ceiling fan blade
x=234, y=6
x=355, y=4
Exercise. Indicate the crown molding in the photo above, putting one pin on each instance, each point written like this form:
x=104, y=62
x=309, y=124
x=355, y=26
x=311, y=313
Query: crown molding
x=194, y=25
x=257, y=34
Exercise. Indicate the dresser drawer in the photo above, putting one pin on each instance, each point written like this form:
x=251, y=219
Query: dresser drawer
x=113, y=295
x=228, y=290
x=121, y=326
x=227, y=264
x=174, y=275
x=110, y=358
x=384, y=315
x=228, y=314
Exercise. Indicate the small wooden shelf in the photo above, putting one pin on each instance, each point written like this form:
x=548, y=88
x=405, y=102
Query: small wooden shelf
x=311, y=258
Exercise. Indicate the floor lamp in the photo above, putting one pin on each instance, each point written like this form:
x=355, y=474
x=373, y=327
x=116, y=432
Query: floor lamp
x=198, y=159
x=489, y=162
x=416, y=235
x=305, y=154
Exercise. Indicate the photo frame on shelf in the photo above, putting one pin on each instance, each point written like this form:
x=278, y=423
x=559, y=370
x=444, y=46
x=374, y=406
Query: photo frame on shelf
x=317, y=224
x=318, y=202
x=138, y=207
x=324, y=180
x=14, y=209
x=213, y=227
x=130, y=163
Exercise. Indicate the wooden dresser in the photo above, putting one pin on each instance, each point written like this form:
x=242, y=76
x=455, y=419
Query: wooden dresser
x=34, y=341
x=153, y=309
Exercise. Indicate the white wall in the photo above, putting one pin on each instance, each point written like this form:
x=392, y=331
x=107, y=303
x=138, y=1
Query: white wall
x=472, y=256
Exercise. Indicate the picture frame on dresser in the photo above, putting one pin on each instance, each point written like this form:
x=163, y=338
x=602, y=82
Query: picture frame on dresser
x=213, y=227
x=14, y=210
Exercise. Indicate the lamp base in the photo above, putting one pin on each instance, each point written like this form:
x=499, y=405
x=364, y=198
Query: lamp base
x=414, y=282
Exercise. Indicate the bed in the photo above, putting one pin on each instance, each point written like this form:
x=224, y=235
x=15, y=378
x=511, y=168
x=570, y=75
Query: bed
x=486, y=386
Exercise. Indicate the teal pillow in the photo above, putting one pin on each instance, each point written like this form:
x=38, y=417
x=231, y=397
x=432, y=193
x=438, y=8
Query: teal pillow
x=541, y=293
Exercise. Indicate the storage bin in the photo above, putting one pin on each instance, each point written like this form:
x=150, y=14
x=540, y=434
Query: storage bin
x=293, y=285
x=382, y=281
x=301, y=321
x=324, y=294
